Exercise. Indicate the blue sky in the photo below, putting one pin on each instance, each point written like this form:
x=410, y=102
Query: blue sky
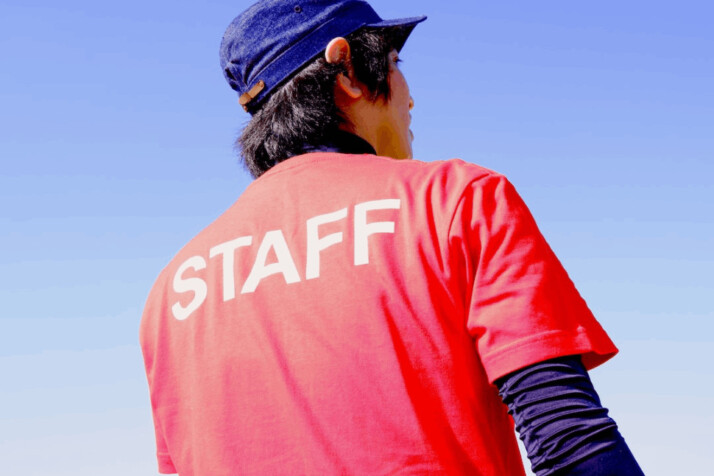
x=116, y=139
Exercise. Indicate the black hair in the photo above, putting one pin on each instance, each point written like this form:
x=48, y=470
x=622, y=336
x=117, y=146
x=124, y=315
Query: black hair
x=302, y=113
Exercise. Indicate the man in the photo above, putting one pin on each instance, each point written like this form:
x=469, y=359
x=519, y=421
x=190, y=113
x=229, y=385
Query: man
x=356, y=314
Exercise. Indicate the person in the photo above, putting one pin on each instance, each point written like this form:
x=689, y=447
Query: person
x=357, y=312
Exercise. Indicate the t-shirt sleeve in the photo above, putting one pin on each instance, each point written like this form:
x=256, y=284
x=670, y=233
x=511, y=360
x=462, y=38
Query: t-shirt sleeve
x=521, y=305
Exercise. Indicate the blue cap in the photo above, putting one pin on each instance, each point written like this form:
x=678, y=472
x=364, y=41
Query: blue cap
x=271, y=41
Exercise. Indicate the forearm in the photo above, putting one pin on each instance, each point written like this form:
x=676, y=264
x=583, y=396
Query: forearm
x=565, y=429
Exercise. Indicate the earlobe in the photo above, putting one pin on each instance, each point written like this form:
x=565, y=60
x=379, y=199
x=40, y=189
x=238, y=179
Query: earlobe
x=348, y=86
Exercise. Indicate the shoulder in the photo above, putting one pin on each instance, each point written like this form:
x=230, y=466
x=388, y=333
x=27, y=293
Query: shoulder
x=347, y=165
x=452, y=178
x=455, y=167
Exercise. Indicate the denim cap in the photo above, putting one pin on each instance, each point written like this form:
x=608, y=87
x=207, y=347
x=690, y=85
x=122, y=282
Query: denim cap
x=274, y=39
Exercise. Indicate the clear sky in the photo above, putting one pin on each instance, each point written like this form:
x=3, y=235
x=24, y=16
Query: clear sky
x=116, y=133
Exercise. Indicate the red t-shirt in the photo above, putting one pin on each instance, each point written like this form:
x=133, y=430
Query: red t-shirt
x=348, y=315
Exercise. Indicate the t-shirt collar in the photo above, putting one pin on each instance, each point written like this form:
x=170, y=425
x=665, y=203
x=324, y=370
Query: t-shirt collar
x=343, y=142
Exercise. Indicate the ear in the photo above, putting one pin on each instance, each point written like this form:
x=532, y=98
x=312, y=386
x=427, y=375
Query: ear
x=338, y=52
x=348, y=86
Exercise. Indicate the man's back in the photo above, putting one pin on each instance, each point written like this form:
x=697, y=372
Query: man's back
x=348, y=315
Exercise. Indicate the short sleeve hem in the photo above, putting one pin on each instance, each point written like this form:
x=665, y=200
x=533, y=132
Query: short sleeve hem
x=545, y=346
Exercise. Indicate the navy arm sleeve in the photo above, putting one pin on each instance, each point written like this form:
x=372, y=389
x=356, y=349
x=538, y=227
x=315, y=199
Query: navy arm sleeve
x=562, y=423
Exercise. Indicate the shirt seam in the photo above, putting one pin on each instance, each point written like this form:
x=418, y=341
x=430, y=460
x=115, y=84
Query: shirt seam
x=447, y=254
x=579, y=343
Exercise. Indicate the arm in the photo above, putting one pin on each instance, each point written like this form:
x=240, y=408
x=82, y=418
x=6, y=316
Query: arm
x=565, y=429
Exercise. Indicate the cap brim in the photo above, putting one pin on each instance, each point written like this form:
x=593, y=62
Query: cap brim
x=404, y=24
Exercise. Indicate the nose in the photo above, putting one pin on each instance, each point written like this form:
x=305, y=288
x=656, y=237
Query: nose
x=411, y=103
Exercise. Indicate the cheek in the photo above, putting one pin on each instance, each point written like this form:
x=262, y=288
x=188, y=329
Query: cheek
x=402, y=89
x=405, y=100
x=399, y=87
